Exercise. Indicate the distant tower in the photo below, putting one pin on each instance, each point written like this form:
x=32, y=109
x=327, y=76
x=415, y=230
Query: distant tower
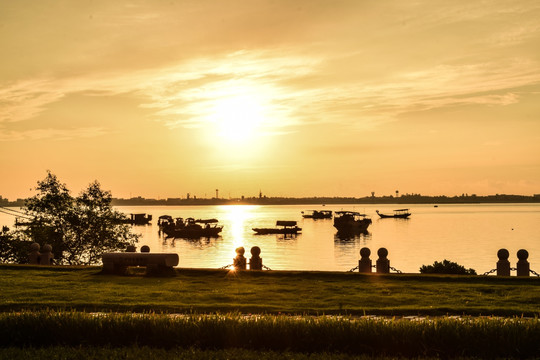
x=260, y=194
x=217, y=193
x=187, y=196
x=373, y=194
x=397, y=193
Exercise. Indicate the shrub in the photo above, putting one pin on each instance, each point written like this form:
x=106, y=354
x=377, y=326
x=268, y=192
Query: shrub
x=446, y=267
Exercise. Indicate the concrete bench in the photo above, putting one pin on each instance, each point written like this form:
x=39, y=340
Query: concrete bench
x=155, y=263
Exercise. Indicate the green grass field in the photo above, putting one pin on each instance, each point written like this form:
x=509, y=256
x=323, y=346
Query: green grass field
x=206, y=313
x=270, y=292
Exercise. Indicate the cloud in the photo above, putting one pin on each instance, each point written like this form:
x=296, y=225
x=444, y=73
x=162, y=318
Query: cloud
x=182, y=95
x=56, y=134
x=353, y=63
x=25, y=99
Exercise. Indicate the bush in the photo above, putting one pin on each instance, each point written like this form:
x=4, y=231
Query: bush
x=446, y=267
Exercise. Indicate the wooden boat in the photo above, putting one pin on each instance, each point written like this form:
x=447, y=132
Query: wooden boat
x=165, y=221
x=351, y=222
x=317, y=214
x=138, y=219
x=398, y=214
x=282, y=227
x=191, y=228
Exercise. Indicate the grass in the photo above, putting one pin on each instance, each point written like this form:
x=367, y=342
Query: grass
x=208, y=290
x=130, y=353
x=77, y=313
x=440, y=337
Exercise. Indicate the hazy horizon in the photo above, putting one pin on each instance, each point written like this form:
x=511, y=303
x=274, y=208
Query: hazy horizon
x=292, y=98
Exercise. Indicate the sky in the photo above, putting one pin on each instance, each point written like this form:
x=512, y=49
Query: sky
x=293, y=98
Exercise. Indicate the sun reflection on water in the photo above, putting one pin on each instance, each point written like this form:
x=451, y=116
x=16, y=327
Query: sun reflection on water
x=236, y=217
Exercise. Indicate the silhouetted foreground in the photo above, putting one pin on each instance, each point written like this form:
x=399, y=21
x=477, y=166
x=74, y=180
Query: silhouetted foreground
x=439, y=337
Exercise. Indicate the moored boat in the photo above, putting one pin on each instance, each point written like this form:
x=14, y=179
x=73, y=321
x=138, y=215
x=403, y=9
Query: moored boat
x=351, y=222
x=282, y=227
x=317, y=214
x=164, y=221
x=398, y=214
x=191, y=228
x=138, y=219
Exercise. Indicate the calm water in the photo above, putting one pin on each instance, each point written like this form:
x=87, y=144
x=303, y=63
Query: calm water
x=467, y=234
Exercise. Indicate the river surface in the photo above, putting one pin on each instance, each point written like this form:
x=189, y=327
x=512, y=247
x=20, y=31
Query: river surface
x=468, y=234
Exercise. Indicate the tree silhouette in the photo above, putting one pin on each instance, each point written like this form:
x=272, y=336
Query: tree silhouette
x=80, y=229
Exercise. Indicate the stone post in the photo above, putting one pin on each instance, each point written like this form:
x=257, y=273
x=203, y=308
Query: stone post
x=33, y=256
x=145, y=249
x=523, y=265
x=503, y=265
x=46, y=256
x=364, y=264
x=239, y=262
x=255, y=263
x=382, y=264
x=131, y=248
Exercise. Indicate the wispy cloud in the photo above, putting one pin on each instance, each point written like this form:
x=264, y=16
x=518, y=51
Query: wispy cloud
x=55, y=134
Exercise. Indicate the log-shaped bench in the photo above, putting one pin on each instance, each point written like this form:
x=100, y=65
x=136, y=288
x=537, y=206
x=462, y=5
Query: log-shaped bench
x=155, y=263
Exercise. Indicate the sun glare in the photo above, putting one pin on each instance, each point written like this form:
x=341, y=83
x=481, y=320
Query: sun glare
x=238, y=119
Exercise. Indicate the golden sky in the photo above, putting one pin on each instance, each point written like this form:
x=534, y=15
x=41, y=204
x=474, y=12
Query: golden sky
x=294, y=98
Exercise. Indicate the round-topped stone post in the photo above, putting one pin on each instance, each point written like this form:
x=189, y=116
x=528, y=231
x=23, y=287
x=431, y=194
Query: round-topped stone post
x=364, y=264
x=255, y=263
x=33, y=256
x=503, y=265
x=46, y=255
x=523, y=266
x=382, y=264
x=239, y=262
x=145, y=249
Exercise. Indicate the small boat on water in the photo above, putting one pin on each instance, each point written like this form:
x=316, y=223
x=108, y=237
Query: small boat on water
x=164, y=221
x=317, y=214
x=398, y=214
x=138, y=219
x=282, y=227
x=191, y=228
x=351, y=222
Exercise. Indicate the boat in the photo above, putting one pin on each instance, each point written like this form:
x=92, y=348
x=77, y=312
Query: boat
x=191, y=228
x=164, y=221
x=137, y=219
x=317, y=214
x=351, y=222
x=398, y=214
x=282, y=227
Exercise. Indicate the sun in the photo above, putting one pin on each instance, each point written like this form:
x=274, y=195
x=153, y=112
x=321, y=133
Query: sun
x=238, y=119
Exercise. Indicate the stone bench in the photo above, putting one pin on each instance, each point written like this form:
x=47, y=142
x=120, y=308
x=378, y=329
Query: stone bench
x=155, y=263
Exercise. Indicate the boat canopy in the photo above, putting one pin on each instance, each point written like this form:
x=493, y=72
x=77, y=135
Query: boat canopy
x=285, y=223
x=206, y=221
x=317, y=211
x=401, y=210
x=352, y=213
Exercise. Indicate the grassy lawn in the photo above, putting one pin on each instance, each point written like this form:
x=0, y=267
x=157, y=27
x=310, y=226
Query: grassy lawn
x=270, y=292
x=45, y=312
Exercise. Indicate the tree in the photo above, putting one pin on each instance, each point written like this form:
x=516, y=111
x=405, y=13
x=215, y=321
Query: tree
x=79, y=229
x=12, y=249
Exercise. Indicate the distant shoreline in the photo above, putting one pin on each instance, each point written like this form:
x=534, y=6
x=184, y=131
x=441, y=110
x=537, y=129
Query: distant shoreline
x=404, y=199
x=263, y=200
